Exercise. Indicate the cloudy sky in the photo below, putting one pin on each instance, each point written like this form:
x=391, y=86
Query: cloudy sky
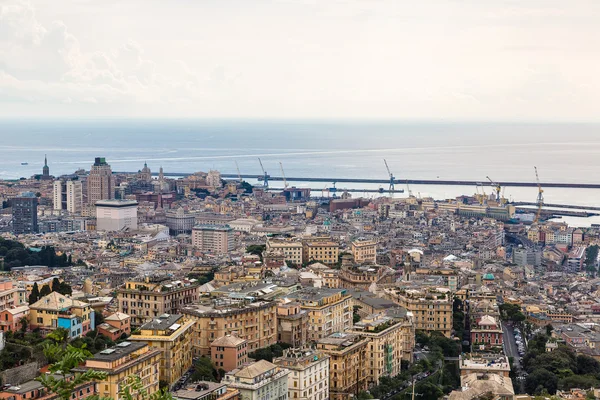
x=451, y=59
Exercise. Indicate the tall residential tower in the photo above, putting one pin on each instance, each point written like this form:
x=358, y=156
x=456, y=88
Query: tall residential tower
x=100, y=182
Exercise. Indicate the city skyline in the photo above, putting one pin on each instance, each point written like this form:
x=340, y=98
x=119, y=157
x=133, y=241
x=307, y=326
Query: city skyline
x=300, y=59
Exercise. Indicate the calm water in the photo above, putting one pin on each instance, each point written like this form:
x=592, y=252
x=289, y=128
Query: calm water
x=562, y=152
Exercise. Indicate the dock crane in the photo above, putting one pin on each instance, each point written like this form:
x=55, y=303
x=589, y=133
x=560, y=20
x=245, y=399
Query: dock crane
x=408, y=188
x=238, y=171
x=265, y=177
x=392, y=178
x=540, y=198
x=497, y=187
x=285, y=184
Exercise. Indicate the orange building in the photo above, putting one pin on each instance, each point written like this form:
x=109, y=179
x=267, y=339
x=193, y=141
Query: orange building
x=10, y=318
x=115, y=326
x=229, y=352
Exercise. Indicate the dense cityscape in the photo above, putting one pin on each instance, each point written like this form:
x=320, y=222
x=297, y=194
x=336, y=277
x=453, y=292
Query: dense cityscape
x=142, y=286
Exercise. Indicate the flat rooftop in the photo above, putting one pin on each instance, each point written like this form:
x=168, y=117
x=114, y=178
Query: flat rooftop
x=115, y=203
x=119, y=351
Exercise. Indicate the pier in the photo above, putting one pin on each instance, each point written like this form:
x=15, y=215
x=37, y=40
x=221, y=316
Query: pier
x=438, y=182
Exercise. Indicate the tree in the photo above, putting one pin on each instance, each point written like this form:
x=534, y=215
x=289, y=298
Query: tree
x=59, y=383
x=540, y=380
x=578, y=381
x=587, y=365
x=429, y=391
x=549, y=329
x=204, y=370
x=256, y=249
x=35, y=294
x=45, y=291
x=24, y=324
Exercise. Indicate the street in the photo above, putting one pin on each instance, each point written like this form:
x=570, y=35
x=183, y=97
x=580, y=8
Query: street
x=510, y=345
x=511, y=350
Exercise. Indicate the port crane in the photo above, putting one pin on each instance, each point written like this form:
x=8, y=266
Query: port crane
x=497, y=187
x=540, y=197
x=238, y=171
x=265, y=177
x=392, y=178
x=285, y=184
x=408, y=188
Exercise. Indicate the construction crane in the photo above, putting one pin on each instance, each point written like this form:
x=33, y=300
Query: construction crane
x=408, y=188
x=265, y=177
x=497, y=187
x=238, y=171
x=540, y=198
x=392, y=178
x=479, y=196
x=285, y=184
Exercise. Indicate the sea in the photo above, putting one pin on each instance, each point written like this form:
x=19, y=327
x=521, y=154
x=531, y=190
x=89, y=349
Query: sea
x=562, y=152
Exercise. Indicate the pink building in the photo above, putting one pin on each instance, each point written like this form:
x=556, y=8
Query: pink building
x=115, y=326
x=229, y=352
x=10, y=318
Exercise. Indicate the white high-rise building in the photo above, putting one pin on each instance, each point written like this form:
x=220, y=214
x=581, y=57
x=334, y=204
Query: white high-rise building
x=115, y=215
x=68, y=195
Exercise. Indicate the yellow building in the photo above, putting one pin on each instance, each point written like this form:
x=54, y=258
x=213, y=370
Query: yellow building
x=364, y=251
x=146, y=300
x=391, y=337
x=290, y=248
x=347, y=356
x=123, y=361
x=329, y=310
x=59, y=311
x=431, y=308
x=172, y=335
x=330, y=278
x=322, y=250
x=256, y=322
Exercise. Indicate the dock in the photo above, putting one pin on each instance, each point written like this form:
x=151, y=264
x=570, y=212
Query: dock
x=437, y=182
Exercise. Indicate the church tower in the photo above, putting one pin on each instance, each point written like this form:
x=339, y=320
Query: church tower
x=46, y=169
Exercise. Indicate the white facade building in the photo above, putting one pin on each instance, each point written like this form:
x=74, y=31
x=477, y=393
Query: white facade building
x=115, y=215
x=309, y=373
x=68, y=195
x=261, y=380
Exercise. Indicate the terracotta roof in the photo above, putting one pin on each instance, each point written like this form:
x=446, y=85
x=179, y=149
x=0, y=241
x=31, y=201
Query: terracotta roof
x=118, y=316
x=227, y=341
x=256, y=369
x=56, y=301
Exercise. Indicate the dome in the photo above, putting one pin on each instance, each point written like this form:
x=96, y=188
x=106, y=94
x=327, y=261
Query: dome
x=488, y=277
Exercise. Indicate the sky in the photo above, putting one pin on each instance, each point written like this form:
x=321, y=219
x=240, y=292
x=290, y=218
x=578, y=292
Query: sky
x=476, y=60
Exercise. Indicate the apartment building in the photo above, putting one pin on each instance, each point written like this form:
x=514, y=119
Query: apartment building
x=261, y=380
x=329, y=310
x=213, y=238
x=100, y=182
x=347, y=356
x=364, y=251
x=292, y=323
x=431, y=308
x=309, y=377
x=146, y=300
x=172, y=335
x=11, y=296
x=115, y=326
x=229, y=352
x=58, y=311
x=68, y=195
x=255, y=322
x=10, y=318
x=290, y=248
x=121, y=363
x=486, y=333
x=391, y=340
x=323, y=250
